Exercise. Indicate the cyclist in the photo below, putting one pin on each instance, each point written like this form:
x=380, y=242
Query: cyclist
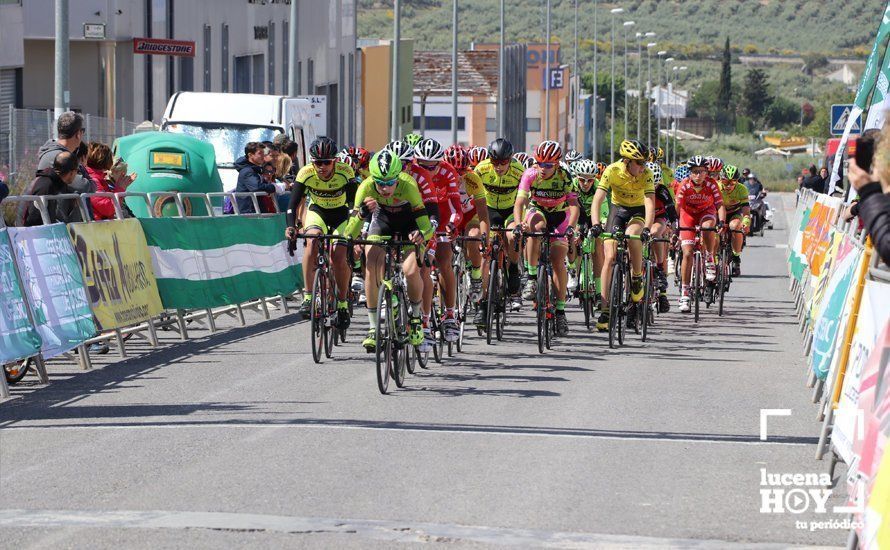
x=500, y=175
x=699, y=203
x=413, y=139
x=738, y=213
x=546, y=189
x=391, y=199
x=474, y=211
x=330, y=187
x=361, y=156
x=477, y=155
x=430, y=154
x=524, y=160
x=584, y=184
x=631, y=187
x=572, y=157
x=665, y=215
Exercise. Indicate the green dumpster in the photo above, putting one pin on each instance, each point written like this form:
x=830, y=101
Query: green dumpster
x=169, y=162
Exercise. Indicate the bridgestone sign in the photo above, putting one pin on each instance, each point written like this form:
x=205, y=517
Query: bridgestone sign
x=158, y=46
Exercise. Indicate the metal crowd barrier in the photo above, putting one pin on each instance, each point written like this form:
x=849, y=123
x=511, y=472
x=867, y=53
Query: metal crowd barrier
x=176, y=320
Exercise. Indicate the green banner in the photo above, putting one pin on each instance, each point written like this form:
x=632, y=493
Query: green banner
x=18, y=337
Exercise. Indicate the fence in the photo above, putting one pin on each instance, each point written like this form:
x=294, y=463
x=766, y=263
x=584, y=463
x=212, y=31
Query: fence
x=28, y=129
x=127, y=302
x=842, y=295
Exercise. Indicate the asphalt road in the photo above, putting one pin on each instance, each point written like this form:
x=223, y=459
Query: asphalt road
x=237, y=439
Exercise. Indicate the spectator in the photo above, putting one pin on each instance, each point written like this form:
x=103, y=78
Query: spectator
x=55, y=180
x=272, y=152
x=110, y=177
x=291, y=149
x=285, y=181
x=874, y=200
x=4, y=190
x=249, y=176
x=813, y=181
x=70, y=130
x=826, y=178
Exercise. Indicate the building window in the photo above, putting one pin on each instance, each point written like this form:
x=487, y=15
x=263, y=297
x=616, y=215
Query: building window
x=186, y=74
x=438, y=123
x=310, y=77
x=491, y=125
x=242, y=74
x=271, y=57
x=259, y=76
x=285, y=58
x=533, y=125
x=225, y=58
x=299, y=78
x=208, y=83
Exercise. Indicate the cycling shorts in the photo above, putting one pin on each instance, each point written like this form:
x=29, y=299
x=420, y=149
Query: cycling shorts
x=470, y=219
x=391, y=224
x=621, y=216
x=500, y=217
x=735, y=215
x=331, y=221
x=687, y=237
x=557, y=222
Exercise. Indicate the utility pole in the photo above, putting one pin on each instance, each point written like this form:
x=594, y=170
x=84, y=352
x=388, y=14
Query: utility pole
x=546, y=133
x=502, y=81
x=661, y=54
x=62, y=94
x=454, y=72
x=595, y=140
x=395, y=122
x=649, y=47
x=614, y=12
x=292, y=51
x=577, y=86
x=627, y=24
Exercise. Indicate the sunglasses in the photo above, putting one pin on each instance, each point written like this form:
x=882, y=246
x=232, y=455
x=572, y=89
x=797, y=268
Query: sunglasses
x=386, y=183
x=586, y=180
x=546, y=164
x=268, y=172
x=323, y=162
x=501, y=162
x=699, y=171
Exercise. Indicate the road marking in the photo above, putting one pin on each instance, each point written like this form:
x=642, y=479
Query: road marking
x=457, y=429
x=781, y=246
x=385, y=530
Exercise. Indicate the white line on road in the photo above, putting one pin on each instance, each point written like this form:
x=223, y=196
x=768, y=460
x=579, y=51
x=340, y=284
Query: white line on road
x=518, y=431
x=386, y=530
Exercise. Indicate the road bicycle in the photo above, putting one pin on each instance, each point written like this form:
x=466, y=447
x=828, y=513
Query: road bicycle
x=649, y=304
x=498, y=285
x=586, y=292
x=323, y=309
x=392, y=352
x=545, y=307
x=619, y=289
x=698, y=283
x=724, y=268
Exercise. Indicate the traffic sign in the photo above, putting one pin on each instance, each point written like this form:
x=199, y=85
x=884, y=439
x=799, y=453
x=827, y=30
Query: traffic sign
x=840, y=114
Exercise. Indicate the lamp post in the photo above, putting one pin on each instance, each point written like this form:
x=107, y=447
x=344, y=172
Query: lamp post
x=577, y=88
x=502, y=80
x=546, y=133
x=627, y=25
x=667, y=127
x=395, y=131
x=454, y=72
x=640, y=37
x=674, y=126
x=649, y=47
x=661, y=54
x=614, y=12
x=595, y=141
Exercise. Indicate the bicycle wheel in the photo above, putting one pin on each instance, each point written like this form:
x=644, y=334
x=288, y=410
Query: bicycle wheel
x=585, y=296
x=14, y=372
x=330, y=313
x=383, y=350
x=647, y=298
x=316, y=314
x=494, y=298
x=615, y=305
x=436, y=331
x=502, y=307
x=541, y=311
x=462, y=314
x=624, y=300
x=401, y=356
x=722, y=277
x=697, y=282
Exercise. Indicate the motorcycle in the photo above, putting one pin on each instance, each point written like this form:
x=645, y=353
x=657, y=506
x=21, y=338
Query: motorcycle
x=758, y=212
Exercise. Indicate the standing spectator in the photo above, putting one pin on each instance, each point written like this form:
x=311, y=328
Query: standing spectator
x=249, y=176
x=70, y=130
x=110, y=177
x=825, y=177
x=291, y=149
x=813, y=181
x=285, y=181
x=55, y=180
x=874, y=195
x=4, y=190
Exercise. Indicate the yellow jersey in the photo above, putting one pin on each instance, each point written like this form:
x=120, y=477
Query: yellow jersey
x=624, y=189
x=500, y=191
x=325, y=194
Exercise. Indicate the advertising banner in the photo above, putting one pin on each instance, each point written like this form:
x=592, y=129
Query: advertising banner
x=53, y=286
x=833, y=311
x=211, y=262
x=18, y=338
x=116, y=266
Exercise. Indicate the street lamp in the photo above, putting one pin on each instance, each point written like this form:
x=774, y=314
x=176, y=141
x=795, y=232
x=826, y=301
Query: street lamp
x=546, y=134
x=674, y=125
x=595, y=140
x=649, y=47
x=640, y=37
x=577, y=87
x=627, y=24
x=614, y=12
x=661, y=53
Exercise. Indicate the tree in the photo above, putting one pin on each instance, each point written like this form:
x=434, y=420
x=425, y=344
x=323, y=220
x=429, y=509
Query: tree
x=782, y=112
x=704, y=101
x=756, y=98
x=724, y=94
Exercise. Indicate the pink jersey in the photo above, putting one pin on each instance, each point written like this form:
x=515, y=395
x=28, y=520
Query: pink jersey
x=696, y=201
x=552, y=194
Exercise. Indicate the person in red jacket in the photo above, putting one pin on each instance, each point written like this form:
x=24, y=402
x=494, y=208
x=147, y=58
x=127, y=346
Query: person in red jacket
x=109, y=176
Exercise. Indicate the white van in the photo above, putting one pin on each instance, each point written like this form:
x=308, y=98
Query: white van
x=230, y=121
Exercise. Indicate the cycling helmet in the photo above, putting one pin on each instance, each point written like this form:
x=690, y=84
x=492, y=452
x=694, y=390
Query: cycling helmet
x=697, y=161
x=500, y=149
x=681, y=172
x=348, y=160
x=653, y=153
x=586, y=167
x=521, y=157
x=385, y=166
x=714, y=164
x=457, y=156
x=633, y=150
x=477, y=154
x=567, y=167
x=548, y=151
x=659, y=154
x=601, y=167
x=573, y=156
x=430, y=150
x=401, y=149
x=323, y=148
x=413, y=139
x=363, y=156
x=730, y=172
x=528, y=162
x=656, y=171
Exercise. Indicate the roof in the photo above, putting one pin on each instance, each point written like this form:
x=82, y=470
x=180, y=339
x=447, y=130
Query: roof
x=477, y=72
x=771, y=152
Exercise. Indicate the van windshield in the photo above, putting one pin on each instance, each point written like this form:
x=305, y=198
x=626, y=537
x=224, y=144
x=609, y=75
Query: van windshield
x=228, y=140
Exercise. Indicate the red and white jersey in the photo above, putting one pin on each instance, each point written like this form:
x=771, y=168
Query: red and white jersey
x=424, y=181
x=696, y=200
x=446, y=182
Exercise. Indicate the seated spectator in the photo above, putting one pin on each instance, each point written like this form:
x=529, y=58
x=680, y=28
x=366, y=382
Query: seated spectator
x=53, y=181
x=874, y=200
x=110, y=177
x=249, y=176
